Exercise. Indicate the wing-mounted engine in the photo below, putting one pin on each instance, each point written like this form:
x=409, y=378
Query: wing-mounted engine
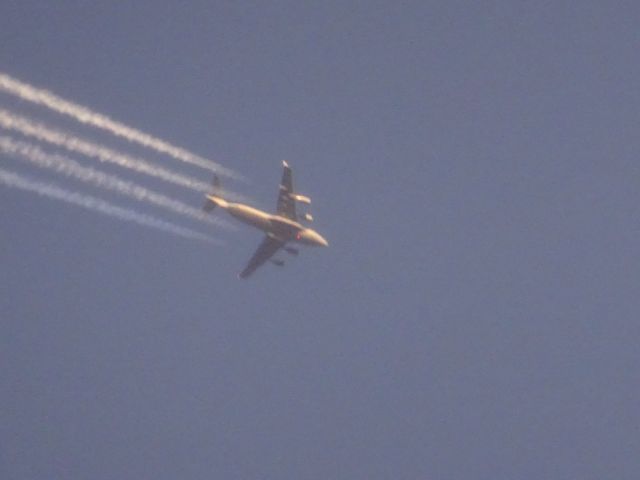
x=300, y=198
x=277, y=262
x=305, y=217
x=288, y=198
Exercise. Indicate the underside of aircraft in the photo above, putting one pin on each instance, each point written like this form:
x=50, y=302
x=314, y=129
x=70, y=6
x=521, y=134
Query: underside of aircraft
x=281, y=229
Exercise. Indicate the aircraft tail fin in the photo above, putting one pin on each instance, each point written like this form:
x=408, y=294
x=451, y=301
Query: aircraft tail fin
x=214, y=199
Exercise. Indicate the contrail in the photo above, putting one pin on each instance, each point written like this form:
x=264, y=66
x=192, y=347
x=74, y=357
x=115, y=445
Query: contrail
x=12, y=179
x=34, y=155
x=88, y=117
x=39, y=131
x=29, y=128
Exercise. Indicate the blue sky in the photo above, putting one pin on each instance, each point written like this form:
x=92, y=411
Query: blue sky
x=474, y=168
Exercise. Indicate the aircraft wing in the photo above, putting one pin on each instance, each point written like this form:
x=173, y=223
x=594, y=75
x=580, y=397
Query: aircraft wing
x=286, y=204
x=265, y=251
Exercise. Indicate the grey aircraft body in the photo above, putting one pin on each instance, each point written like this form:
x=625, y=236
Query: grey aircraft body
x=280, y=228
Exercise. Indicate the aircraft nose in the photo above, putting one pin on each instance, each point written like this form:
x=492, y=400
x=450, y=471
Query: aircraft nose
x=322, y=242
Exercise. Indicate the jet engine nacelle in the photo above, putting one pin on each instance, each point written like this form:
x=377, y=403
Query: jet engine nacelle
x=300, y=198
x=277, y=262
x=291, y=250
x=308, y=217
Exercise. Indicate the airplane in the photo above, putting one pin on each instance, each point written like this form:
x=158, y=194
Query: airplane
x=280, y=229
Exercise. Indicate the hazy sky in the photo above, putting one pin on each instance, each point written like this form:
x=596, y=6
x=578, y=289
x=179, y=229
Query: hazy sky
x=474, y=166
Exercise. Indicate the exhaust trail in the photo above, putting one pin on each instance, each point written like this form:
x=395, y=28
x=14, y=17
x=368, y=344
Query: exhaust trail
x=15, y=180
x=34, y=155
x=39, y=131
x=86, y=116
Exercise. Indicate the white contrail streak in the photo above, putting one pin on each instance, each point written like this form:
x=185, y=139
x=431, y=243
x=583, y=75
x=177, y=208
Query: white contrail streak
x=12, y=179
x=88, y=117
x=38, y=131
x=34, y=155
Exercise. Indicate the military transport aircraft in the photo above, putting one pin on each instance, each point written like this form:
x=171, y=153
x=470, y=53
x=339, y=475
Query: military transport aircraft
x=279, y=229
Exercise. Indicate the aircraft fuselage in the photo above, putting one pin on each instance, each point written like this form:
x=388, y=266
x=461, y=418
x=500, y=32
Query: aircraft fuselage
x=275, y=226
x=279, y=228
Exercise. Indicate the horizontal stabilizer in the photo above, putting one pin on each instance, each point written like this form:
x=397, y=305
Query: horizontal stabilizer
x=215, y=199
x=216, y=183
x=208, y=205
